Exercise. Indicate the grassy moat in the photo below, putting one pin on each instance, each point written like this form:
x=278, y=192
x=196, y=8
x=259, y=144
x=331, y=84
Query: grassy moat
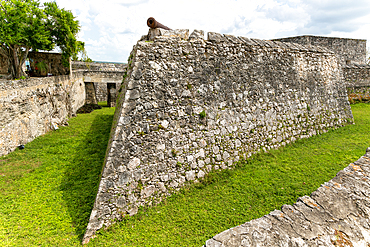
x=47, y=190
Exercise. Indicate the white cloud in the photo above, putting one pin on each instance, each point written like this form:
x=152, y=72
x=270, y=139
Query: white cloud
x=110, y=28
x=339, y=16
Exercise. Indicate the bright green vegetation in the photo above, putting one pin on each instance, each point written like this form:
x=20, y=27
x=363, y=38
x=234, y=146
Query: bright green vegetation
x=26, y=25
x=47, y=190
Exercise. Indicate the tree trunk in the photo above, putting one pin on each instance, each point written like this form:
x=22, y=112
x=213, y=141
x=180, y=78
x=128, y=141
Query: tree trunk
x=16, y=57
x=23, y=59
x=16, y=60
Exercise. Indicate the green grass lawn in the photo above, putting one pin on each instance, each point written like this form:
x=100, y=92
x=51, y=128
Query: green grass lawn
x=48, y=189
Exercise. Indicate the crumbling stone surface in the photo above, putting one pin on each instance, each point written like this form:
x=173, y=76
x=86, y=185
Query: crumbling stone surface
x=188, y=107
x=336, y=214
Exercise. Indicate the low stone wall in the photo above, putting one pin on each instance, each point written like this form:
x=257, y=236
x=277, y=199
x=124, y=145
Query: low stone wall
x=189, y=106
x=103, y=76
x=357, y=79
x=30, y=108
x=336, y=214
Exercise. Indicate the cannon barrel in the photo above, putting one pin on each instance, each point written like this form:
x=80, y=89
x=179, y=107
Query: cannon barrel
x=152, y=23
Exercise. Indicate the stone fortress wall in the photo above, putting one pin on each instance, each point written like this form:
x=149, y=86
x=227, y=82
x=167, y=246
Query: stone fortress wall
x=352, y=55
x=189, y=106
x=101, y=89
x=30, y=108
x=336, y=214
x=350, y=51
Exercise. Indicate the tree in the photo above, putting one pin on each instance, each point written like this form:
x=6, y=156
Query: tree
x=82, y=54
x=26, y=25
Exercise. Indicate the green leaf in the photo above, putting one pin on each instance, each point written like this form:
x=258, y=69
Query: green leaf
x=26, y=25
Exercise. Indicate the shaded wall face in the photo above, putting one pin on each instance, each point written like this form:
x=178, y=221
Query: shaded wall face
x=43, y=63
x=101, y=90
x=90, y=93
x=190, y=107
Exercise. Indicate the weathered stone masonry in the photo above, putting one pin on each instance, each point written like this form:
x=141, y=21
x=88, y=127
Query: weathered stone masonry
x=352, y=56
x=102, y=80
x=349, y=51
x=29, y=108
x=188, y=107
x=104, y=85
x=357, y=78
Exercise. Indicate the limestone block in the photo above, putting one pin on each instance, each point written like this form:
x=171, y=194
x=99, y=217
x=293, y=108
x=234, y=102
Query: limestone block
x=180, y=33
x=190, y=175
x=216, y=37
x=197, y=34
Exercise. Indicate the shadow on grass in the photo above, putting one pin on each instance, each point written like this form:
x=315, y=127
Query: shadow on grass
x=82, y=177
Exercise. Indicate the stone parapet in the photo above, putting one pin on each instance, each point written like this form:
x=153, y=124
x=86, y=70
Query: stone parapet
x=96, y=66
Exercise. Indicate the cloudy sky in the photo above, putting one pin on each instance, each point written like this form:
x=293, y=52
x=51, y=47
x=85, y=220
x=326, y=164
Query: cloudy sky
x=110, y=28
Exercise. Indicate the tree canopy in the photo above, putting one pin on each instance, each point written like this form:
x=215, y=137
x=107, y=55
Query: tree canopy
x=27, y=25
